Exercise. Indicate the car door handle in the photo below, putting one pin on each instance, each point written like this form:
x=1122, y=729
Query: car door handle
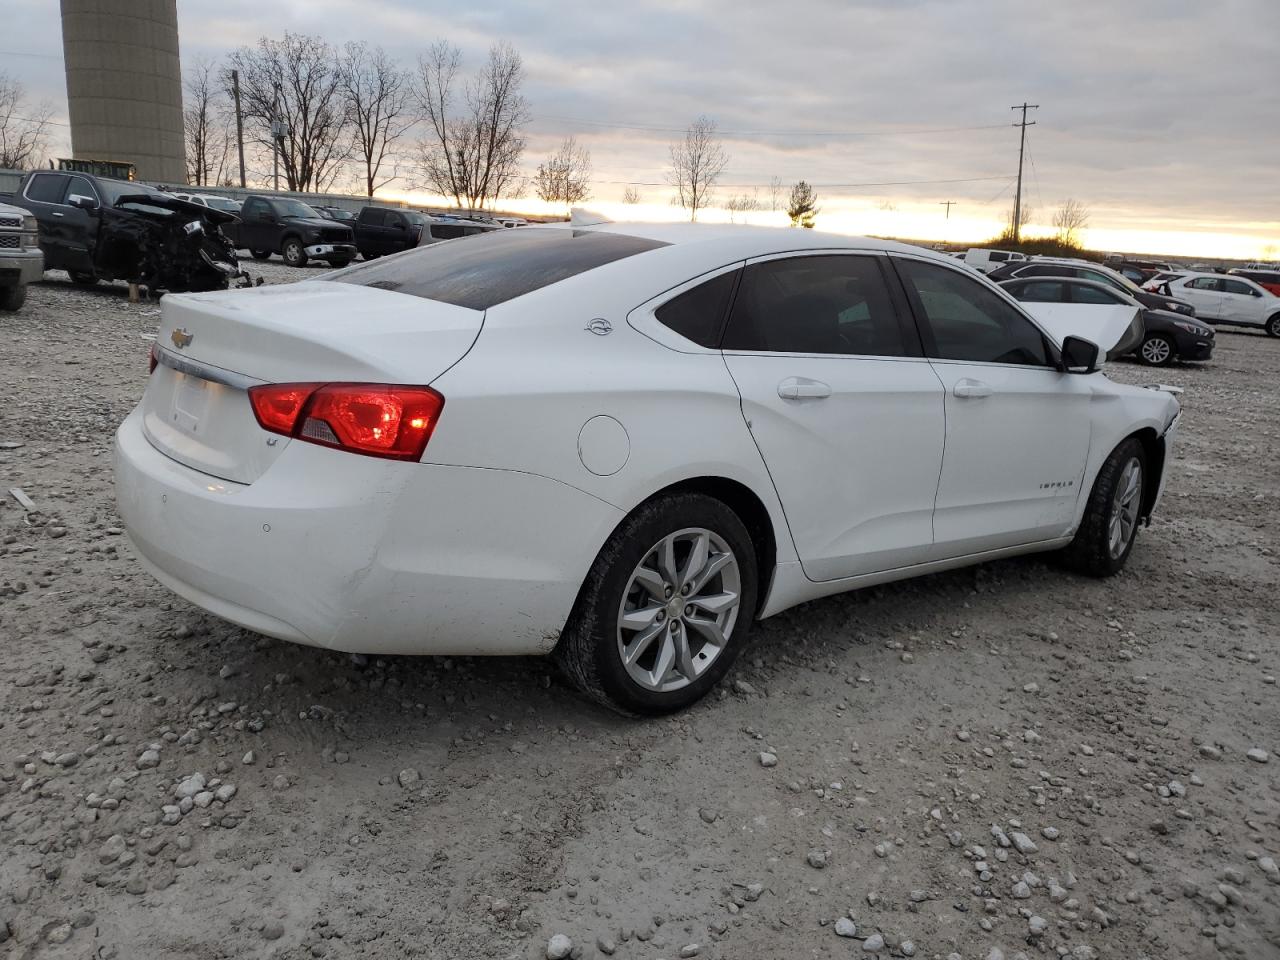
x=967, y=388
x=58, y=214
x=802, y=388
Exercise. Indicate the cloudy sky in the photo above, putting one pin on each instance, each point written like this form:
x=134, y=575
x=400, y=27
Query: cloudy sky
x=1159, y=115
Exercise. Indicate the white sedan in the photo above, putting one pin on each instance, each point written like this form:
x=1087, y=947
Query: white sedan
x=618, y=443
x=1236, y=301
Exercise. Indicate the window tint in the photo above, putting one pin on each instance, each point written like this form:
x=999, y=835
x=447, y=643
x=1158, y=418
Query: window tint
x=997, y=257
x=372, y=216
x=1040, y=291
x=255, y=206
x=1235, y=286
x=446, y=231
x=79, y=187
x=1082, y=294
x=47, y=187
x=696, y=314
x=969, y=321
x=822, y=304
x=500, y=265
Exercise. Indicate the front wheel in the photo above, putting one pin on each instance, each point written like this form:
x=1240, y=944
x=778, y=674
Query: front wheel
x=12, y=298
x=1110, y=525
x=293, y=253
x=1156, y=351
x=1273, y=326
x=665, y=608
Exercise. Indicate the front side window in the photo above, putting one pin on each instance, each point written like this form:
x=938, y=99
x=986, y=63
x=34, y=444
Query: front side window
x=1235, y=286
x=47, y=187
x=968, y=321
x=820, y=304
x=1083, y=294
x=697, y=313
x=79, y=187
x=1041, y=291
x=295, y=208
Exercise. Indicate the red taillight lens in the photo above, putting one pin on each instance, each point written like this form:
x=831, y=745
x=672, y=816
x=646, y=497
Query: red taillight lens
x=380, y=420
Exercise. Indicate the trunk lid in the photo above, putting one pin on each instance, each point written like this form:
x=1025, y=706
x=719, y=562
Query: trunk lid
x=213, y=347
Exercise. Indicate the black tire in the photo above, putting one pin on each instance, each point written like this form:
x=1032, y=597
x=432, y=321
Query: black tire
x=12, y=298
x=1273, y=325
x=1156, y=350
x=370, y=256
x=261, y=254
x=1091, y=551
x=588, y=651
x=295, y=255
x=339, y=264
x=84, y=279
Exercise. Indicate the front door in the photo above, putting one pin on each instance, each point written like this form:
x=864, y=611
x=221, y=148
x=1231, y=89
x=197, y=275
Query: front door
x=846, y=412
x=1203, y=293
x=1017, y=428
x=1239, y=302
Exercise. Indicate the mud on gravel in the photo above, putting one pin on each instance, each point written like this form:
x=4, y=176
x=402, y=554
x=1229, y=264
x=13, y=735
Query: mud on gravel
x=1001, y=761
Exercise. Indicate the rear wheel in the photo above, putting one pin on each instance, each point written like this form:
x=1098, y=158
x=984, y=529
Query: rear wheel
x=1156, y=351
x=665, y=608
x=11, y=298
x=261, y=254
x=1273, y=326
x=1110, y=525
x=339, y=264
x=84, y=279
x=293, y=253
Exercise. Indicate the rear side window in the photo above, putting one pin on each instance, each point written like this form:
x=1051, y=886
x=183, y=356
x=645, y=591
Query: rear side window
x=969, y=321
x=697, y=313
x=47, y=187
x=820, y=304
x=372, y=216
x=997, y=257
x=1083, y=294
x=446, y=231
x=498, y=265
x=1040, y=291
x=1205, y=283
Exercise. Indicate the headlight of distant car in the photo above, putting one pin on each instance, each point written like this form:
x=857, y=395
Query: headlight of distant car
x=1193, y=328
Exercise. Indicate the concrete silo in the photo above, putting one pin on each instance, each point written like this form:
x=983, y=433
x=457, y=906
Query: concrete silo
x=124, y=84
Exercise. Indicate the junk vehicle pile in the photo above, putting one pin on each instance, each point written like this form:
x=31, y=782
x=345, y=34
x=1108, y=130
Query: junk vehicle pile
x=97, y=228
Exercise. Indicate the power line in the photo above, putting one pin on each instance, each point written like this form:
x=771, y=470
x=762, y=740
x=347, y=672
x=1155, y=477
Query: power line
x=825, y=186
x=771, y=133
x=56, y=123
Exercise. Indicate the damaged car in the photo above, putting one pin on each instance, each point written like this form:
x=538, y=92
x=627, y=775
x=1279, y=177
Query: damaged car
x=97, y=228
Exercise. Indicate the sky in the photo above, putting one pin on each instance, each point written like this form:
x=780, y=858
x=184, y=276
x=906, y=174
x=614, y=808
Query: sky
x=1159, y=115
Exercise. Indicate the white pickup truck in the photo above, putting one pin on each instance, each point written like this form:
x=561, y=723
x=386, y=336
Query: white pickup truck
x=21, y=261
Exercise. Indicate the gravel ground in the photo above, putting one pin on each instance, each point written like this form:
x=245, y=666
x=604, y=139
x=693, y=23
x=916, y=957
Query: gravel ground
x=999, y=761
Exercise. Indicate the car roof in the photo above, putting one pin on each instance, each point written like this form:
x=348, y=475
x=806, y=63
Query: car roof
x=743, y=241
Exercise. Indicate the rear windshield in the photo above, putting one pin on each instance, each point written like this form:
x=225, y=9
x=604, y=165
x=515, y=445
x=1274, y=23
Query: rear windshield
x=496, y=266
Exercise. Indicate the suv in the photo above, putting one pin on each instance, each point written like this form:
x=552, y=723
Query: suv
x=295, y=230
x=1088, y=270
x=384, y=230
x=450, y=228
x=21, y=261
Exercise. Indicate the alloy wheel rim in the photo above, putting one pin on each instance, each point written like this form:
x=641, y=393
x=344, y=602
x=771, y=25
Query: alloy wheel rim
x=1123, y=522
x=679, y=609
x=1156, y=350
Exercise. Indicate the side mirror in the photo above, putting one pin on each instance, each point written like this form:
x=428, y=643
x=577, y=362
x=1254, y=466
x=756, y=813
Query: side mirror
x=1079, y=355
x=81, y=202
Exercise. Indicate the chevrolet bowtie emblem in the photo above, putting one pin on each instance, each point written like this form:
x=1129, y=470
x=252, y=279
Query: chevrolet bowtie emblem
x=180, y=337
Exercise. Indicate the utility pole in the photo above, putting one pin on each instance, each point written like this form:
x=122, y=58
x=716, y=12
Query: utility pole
x=235, y=92
x=1022, y=149
x=948, y=204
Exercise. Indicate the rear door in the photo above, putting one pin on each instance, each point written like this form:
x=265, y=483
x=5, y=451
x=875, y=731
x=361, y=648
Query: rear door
x=369, y=232
x=43, y=195
x=846, y=412
x=258, y=226
x=1203, y=293
x=1017, y=429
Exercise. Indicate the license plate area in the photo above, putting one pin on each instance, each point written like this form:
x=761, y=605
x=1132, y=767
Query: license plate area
x=191, y=401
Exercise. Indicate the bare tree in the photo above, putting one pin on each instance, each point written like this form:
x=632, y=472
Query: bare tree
x=565, y=177
x=1070, y=220
x=775, y=193
x=743, y=203
x=206, y=123
x=473, y=148
x=802, y=206
x=631, y=195
x=24, y=126
x=696, y=164
x=376, y=92
x=296, y=81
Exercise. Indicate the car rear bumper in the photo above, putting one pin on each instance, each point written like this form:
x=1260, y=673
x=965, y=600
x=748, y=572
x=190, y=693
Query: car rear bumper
x=354, y=553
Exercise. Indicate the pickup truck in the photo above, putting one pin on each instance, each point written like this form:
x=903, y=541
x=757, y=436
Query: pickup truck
x=97, y=228
x=384, y=230
x=21, y=261
x=294, y=230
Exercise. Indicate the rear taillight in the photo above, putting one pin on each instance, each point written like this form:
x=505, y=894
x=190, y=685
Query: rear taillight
x=376, y=419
